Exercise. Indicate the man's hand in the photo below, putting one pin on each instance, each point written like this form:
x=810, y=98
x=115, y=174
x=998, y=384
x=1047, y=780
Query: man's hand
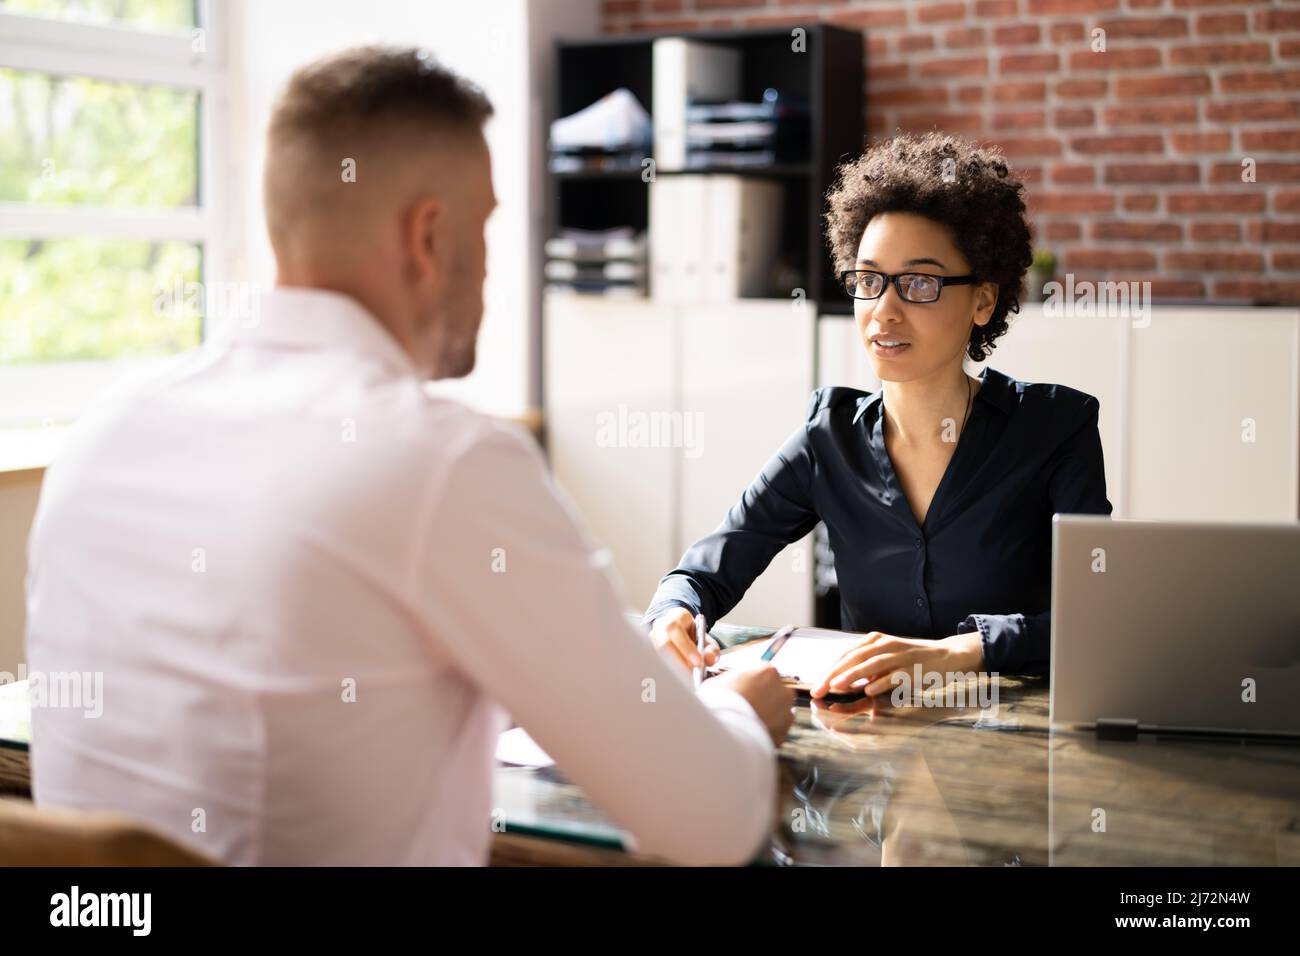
x=771, y=699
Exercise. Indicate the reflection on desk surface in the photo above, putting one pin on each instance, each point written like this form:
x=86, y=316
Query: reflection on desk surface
x=958, y=786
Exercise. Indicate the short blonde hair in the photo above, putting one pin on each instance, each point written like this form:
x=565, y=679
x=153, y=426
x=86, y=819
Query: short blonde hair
x=365, y=99
x=363, y=89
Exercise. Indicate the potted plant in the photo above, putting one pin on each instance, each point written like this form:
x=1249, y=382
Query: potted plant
x=1041, y=272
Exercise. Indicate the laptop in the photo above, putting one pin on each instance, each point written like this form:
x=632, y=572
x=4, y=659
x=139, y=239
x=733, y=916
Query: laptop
x=1175, y=626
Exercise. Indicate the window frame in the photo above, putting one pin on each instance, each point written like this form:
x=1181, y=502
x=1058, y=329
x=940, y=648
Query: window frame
x=123, y=53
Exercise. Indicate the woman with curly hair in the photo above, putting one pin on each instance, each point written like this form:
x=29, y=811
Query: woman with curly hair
x=938, y=490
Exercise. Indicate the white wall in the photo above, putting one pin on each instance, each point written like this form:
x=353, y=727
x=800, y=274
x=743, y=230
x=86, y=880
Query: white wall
x=504, y=47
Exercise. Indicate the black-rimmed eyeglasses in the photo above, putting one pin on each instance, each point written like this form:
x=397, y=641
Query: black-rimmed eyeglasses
x=911, y=286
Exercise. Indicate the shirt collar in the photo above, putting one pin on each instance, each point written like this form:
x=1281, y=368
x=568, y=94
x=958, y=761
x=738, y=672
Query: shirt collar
x=308, y=319
x=996, y=389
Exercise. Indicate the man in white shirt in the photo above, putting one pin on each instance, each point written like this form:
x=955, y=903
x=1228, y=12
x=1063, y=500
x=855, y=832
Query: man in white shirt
x=313, y=591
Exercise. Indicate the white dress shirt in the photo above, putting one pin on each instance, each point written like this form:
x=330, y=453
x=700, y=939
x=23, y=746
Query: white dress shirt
x=314, y=591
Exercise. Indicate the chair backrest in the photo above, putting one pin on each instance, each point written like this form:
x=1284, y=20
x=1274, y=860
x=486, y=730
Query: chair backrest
x=45, y=836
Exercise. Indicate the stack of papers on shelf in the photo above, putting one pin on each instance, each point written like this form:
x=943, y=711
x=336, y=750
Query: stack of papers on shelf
x=612, y=133
x=747, y=134
x=598, y=262
x=597, y=244
x=736, y=134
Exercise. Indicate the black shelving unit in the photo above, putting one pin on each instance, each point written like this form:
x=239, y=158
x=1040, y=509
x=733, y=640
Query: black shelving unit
x=827, y=72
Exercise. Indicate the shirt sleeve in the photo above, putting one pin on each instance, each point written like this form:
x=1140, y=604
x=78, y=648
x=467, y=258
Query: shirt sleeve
x=527, y=608
x=1076, y=483
x=776, y=509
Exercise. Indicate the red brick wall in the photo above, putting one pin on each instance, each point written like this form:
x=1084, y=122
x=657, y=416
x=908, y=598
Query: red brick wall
x=1133, y=156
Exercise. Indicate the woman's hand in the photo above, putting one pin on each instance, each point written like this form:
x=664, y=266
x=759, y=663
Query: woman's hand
x=870, y=665
x=673, y=634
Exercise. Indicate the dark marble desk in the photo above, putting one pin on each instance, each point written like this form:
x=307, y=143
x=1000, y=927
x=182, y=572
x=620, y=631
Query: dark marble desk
x=960, y=786
x=935, y=786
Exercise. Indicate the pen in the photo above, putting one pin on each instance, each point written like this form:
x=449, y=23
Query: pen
x=777, y=642
x=700, y=630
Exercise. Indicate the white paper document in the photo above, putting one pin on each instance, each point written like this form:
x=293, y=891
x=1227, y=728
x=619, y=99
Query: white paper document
x=517, y=748
x=805, y=657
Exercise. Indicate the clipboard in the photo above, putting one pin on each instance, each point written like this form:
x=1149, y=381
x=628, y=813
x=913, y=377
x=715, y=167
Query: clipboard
x=801, y=655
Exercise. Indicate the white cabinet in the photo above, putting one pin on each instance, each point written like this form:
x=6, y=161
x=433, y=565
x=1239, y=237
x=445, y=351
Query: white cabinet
x=1200, y=418
x=1214, y=427
x=1200, y=406
x=609, y=367
x=659, y=416
x=747, y=374
x=1084, y=353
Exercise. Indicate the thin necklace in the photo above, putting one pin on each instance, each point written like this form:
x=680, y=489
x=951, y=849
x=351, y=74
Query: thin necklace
x=969, y=395
x=970, y=389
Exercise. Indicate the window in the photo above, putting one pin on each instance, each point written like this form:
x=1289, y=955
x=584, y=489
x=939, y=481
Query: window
x=143, y=14
x=107, y=200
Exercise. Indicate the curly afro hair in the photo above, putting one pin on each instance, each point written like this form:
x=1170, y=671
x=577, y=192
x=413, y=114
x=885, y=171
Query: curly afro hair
x=969, y=189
